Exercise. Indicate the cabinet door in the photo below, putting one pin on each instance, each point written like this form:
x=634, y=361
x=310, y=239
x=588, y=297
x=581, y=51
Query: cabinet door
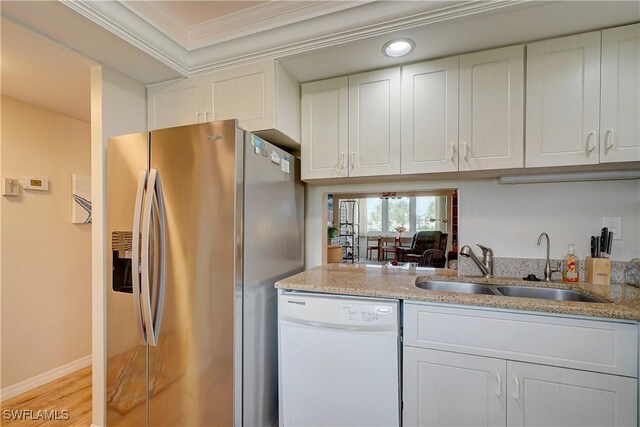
x=246, y=93
x=541, y=395
x=451, y=389
x=619, y=126
x=430, y=117
x=563, y=101
x=492, y=109
x=175, y=104
x=374, y=123
x=325, y=132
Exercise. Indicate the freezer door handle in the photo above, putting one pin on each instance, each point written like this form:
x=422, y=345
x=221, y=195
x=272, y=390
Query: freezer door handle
x=135, y=256
x=153, y=214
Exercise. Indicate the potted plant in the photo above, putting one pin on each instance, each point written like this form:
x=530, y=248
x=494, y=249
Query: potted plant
x=332, y=233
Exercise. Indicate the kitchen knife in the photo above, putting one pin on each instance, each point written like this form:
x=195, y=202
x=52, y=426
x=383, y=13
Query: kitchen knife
x=593, y=246
x=597, y=247
x=604, y=235
x=609, y=243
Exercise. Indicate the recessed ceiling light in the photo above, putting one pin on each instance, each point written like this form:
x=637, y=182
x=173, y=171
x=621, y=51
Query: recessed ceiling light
x=398, y=47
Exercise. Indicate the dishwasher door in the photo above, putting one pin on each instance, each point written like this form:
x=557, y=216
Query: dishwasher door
x=338, y=360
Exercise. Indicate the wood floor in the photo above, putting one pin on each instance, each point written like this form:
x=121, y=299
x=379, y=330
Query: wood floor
x=71, y=393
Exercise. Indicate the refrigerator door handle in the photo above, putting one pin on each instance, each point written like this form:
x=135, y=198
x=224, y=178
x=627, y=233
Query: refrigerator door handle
x=135, y=256
x=161, y=258
x=154, y=203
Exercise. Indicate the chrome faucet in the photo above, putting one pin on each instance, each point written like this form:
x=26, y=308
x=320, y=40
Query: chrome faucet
x=486, y=265
x=548, y=270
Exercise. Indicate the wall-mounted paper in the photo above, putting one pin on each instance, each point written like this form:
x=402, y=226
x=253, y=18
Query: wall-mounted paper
x=81, y=193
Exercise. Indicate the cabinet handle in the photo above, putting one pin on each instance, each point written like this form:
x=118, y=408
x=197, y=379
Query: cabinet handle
x=198, y=117
x=608, y=141
x=353, y=157
x=206, y=116
x=591, y=149
x=453, y=152
x=516, y=392
x=466, y=151
x=499, y=389
x=342, y=161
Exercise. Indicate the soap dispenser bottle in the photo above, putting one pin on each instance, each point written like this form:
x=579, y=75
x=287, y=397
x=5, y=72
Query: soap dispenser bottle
x=570, y=265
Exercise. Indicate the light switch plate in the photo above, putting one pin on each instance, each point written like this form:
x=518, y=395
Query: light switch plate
x=613, y=223
x=10, y=187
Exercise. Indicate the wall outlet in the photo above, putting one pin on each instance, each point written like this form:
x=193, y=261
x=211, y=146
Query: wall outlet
x=613, y=223
x=10, y=187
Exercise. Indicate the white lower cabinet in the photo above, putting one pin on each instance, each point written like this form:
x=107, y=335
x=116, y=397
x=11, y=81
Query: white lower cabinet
x=449, y=389
x=443, y=388
x=539, y=395
x=448, y=380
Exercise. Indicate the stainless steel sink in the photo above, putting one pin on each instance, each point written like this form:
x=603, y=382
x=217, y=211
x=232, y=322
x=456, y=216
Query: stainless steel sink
x=545, y=293
x=459, y=287
x=507, y=291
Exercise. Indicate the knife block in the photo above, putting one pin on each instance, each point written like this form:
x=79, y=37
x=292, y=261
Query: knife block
x=598, y=271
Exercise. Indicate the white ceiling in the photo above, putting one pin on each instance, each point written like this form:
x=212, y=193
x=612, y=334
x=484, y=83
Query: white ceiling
x=521, y=23
x=155, y=41
x=197, y=12
x=44, y=73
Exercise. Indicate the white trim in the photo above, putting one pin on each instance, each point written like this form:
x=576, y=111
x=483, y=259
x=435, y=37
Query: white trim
x=43, y=378
x=569, y=177
x=252, y=20
x=130, y=25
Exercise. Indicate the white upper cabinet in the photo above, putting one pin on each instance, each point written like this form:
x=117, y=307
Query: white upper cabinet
x=492, y=109
x=325, y=128
x=620, y=92
x=262, y=96
x=175, y=103
x=245, y=93
x=374, y=123
x=563, y=101
x=430, y=117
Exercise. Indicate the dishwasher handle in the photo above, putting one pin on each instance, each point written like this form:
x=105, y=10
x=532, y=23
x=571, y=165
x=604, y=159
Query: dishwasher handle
x=377, y=327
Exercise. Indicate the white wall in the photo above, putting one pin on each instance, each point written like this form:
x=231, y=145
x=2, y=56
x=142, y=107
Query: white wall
x=46, y=259
x=509, y=218
x=118, y=106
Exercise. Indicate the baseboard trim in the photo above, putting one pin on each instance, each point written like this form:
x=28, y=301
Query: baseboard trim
x=43, y=378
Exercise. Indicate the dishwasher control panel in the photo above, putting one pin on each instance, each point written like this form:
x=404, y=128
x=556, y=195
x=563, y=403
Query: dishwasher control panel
x=339, y=312
x=366, y=314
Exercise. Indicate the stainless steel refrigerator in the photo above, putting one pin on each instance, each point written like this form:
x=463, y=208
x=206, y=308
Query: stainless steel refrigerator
x=201, y=221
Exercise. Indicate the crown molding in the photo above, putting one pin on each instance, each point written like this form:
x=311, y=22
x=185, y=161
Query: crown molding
x=466, y=9
x=123, y=21
x=245, y=22
x=159, y=17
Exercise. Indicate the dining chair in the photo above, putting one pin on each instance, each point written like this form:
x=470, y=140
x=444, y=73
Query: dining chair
x=388, y=245
x=373, y=244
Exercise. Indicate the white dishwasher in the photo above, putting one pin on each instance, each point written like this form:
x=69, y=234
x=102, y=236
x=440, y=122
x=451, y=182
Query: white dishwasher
x=338, y=360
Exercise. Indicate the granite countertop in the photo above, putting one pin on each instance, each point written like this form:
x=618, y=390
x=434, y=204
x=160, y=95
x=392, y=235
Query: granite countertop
x=377, y=281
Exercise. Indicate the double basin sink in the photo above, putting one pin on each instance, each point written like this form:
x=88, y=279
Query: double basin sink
x=508, y=291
